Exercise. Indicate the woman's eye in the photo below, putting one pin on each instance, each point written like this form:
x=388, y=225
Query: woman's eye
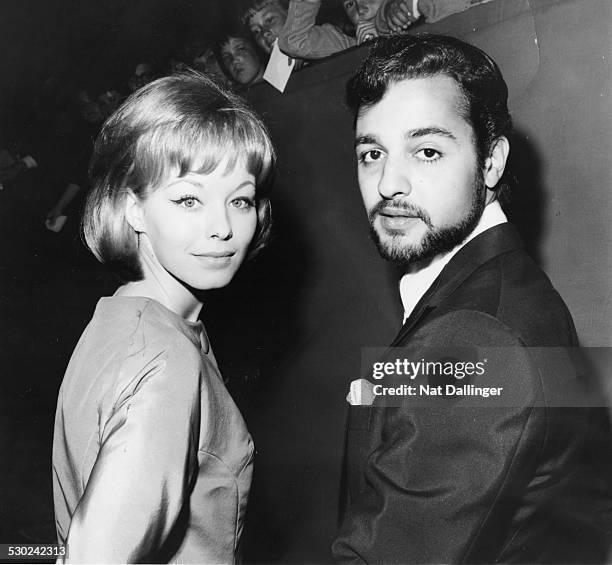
x=243, y=203
x=429, y=154
x=187, y=202
x=371, y=156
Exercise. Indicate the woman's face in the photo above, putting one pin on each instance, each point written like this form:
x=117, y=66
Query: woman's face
x=241, y=60
x=199, y=226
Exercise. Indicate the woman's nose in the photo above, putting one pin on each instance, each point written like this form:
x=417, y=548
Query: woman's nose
x=219, y=226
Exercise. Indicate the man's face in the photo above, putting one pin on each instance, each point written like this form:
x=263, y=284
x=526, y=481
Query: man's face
x=417, y=169
x=357, y=10
x=266, y=24
x=241, y=60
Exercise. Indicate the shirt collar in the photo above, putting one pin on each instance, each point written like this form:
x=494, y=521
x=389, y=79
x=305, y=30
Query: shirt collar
x=414, y=284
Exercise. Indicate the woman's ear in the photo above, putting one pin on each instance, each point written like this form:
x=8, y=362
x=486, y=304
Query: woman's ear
x=133, y=212
x=496, y=162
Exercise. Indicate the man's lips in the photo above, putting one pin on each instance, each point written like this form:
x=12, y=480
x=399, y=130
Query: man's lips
x=398, y=220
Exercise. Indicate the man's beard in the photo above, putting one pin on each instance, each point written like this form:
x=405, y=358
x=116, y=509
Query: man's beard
x=435, y=240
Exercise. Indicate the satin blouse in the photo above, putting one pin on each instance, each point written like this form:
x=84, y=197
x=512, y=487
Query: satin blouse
x=152, y=460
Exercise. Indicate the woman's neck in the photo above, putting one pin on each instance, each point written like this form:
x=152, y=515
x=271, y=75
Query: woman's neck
x=157, y=283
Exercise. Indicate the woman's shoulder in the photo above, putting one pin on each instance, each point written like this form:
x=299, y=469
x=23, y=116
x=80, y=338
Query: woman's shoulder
x=126, y=316
x=137, y=333
x=147, y=341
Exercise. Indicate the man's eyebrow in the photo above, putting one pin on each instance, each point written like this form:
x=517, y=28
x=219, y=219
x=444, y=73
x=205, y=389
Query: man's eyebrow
x=365, y=140
x=431, y=130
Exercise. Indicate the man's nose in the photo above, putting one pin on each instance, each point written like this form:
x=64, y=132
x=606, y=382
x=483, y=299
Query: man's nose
x=395, y=179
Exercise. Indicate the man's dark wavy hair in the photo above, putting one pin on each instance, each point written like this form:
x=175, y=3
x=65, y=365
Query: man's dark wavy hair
x=484, y=90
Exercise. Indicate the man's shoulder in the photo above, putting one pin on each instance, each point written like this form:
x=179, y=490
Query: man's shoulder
x=513, y=293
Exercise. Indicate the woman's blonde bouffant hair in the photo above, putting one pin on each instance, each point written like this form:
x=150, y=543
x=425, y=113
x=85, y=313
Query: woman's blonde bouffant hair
x=175, y=125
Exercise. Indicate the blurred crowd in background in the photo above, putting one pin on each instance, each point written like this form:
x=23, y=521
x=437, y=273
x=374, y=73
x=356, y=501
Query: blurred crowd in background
x=65, y=115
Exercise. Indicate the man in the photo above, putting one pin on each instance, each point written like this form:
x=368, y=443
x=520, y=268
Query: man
x=451, y=480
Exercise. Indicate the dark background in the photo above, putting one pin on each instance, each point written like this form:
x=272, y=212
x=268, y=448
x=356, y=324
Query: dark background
x=289, y=330
x=98, y=42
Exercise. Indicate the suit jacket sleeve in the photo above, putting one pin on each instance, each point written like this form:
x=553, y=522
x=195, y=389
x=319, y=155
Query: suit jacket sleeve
x=437, y=472
x=147, y=457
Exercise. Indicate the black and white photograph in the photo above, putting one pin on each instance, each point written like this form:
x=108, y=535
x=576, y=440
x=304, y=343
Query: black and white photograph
x=306, y=281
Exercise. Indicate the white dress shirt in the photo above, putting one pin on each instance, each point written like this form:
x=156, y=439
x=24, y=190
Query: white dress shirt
x=414, y=284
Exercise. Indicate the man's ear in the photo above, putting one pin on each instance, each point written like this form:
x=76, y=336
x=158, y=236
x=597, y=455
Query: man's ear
x=133, y=212
x=496, y=162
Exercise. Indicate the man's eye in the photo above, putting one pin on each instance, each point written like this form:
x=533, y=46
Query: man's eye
x=188, y=202
x=370, y=156
x=429, y=154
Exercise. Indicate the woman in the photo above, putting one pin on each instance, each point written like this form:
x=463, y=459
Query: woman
x=151, y=459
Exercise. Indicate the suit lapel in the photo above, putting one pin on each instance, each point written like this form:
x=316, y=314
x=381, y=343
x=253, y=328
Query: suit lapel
x=490, y=244
x=364, y=421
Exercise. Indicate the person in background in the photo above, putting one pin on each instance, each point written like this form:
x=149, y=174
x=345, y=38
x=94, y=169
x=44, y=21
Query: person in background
x=152, y=460
x=144, y=73
x=109, y=101
x=362, y=14
x=206, y=61
x=396, y=16
x=91, y=112
x=11, y=166
x=265, y=20
x=301, y=38
x=199, y=54
x=240, y=59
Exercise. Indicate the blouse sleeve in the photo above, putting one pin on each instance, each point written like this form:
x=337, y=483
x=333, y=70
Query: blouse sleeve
x=146, y=461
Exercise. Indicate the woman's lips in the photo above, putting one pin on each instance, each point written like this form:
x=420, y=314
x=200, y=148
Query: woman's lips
x=217, y=259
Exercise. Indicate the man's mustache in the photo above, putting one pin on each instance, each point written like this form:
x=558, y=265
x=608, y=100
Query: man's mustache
x=402, y=206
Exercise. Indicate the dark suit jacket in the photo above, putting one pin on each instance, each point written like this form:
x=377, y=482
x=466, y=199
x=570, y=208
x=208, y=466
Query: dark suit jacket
x=450, y=482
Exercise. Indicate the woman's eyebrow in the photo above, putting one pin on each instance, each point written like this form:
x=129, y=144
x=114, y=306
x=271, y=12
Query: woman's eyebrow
x=194, y=182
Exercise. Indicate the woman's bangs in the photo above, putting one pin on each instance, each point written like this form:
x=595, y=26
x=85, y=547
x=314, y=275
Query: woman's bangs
x=173, y=150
